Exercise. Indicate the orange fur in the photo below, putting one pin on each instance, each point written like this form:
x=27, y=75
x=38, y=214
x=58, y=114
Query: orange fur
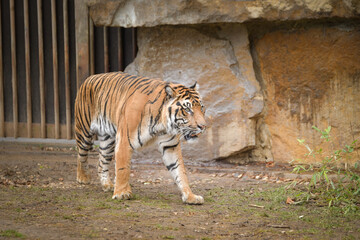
x=126, y=112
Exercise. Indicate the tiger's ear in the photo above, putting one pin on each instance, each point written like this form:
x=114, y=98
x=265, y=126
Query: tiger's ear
x=170, y=91
x=195, y=86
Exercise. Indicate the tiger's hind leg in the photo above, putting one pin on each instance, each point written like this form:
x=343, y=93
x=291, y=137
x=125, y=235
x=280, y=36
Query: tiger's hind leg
x=106, y=149
x=84, y=145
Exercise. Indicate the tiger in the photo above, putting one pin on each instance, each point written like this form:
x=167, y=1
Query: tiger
x=127, y=112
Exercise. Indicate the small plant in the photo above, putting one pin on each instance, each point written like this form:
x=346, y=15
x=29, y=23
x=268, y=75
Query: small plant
x=11, y=233
x=343, y=190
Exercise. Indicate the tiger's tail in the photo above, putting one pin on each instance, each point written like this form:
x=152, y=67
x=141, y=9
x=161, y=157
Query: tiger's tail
x=83, y=135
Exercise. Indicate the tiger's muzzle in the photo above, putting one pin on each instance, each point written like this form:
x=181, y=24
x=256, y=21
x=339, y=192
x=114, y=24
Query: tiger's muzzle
x=194, y=133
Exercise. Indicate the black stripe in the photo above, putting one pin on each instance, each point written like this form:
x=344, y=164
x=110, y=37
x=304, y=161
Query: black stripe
x=144, y=89
x=108, y=159
x=129, y=139
x=101, y=82
x=169, y=109
x=86, y=118
x=83, y=140
x=82, y=126
x=135, y=78
x=105, y=163
x=139, y=129
x=167, y=147
x=153, y=88
x=157, y=118
x=167, y=140
x=107, y=146
x=82, y=147
x=90, y=93
x=105, y=108
x=150, y=124
x=172, y=166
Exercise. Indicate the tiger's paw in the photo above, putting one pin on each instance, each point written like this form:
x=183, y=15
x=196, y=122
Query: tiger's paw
x=193, y=199
x=83, y=178
x=122, y=196
x=108, y=186
x=122, y=193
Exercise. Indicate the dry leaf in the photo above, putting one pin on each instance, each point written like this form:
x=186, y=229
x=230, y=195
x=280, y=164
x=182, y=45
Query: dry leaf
x=289, y=201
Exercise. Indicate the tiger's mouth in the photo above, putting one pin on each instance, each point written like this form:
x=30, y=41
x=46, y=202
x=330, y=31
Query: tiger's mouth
x=191, y=135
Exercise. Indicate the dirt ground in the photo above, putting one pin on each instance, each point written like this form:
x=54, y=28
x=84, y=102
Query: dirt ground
x=40, y=199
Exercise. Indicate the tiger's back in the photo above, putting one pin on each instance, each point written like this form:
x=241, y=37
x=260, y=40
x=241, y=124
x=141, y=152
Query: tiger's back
x=104, y=99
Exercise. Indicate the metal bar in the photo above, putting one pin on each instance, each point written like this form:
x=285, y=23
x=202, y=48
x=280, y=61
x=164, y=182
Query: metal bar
x=134, y=42
x=13, y=69
x=120, y=50
x=2, y=116
x=27, y=69
x=91, y=46
x=66, y=69
x=106, y=50
x=55, y=69
x=41, y=69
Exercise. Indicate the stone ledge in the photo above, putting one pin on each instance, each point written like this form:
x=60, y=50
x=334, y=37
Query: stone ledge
x=144, y=13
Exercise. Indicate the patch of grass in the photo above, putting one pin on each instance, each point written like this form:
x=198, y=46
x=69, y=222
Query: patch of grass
x=158, y=203
x=80, y=207
x=132, y=214
x=208, y=199
x=264, y=214
x=349, y=237
x=189, y=237
x=18, y=210
x=168, y=237
x=91, y=234
x=11, y=233
x=107, y=204
x=166, y=228
x=69, y=217
x=344, y=190
x=102, y=205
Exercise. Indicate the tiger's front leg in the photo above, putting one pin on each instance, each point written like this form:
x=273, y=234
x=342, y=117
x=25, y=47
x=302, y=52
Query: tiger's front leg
x=123, y=151
x=172, y=158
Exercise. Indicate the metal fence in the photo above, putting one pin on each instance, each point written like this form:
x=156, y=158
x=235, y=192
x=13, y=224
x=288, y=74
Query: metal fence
x=39, y=65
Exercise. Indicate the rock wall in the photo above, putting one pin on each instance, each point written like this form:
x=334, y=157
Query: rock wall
x=311, y=76
x=266, y=82
x=221, y=63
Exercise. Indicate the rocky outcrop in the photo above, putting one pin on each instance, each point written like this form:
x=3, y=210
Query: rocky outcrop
x=259, y=100
x=311, y=76
x=222, y=65
x=144, y=13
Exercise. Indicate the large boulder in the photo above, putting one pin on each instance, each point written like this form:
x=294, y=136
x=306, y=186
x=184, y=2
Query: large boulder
x=145, y=13
x=221, y=63
x=311, y=76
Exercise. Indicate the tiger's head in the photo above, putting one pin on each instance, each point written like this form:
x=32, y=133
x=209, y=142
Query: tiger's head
x=185, y=111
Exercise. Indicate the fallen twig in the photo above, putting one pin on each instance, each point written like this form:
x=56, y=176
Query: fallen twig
x=277, y=226
x=256, y=206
